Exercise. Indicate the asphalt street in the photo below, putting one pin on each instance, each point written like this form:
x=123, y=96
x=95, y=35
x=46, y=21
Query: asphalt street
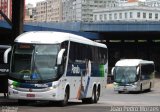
x=109, y=102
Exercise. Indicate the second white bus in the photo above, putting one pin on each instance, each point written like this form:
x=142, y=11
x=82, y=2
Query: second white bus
x=133, y=75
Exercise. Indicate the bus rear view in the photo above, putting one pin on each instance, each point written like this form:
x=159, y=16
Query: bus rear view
x=133, y=75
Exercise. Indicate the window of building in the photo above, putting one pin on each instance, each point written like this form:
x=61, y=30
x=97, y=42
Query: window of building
x=95, y=17
x=105, y=16
x=110, y=16
x=150, y=15
x=144, y=15
x=125, y=14
x=120, y=15
x=156, y=16
x=100, y=17
x=138, y=15
x=131, y=14
x=115, y=15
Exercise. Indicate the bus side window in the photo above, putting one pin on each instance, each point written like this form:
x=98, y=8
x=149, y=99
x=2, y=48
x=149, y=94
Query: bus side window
x=147, y=71
x=61, y=67
x=64, y=45
x=72, y=52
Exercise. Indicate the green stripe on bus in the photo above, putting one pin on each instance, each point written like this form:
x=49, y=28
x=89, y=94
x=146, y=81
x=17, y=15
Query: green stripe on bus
x=101, y=67
x=16, y=84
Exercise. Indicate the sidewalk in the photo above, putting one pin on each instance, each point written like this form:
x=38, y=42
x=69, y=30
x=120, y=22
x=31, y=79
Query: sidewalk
x=5, y=100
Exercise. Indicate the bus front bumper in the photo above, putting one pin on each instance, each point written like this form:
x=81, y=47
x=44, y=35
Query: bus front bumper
x=51, y=95
x=126, y=88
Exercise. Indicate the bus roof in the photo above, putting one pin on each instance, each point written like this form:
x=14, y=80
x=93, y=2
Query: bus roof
x=132, y=62
x=51, y=37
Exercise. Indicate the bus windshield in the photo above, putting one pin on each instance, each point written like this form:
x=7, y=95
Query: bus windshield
x=125, y=74
x=34, y=62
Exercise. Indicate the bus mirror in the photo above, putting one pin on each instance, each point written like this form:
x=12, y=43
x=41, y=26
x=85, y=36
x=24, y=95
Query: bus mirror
x=112, y=71
x=60, y=56
x=138, y=70
x=5, y=56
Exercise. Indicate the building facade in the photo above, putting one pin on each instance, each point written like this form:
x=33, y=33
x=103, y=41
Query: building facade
x=127, y=14
x=80, y=10
x=54, y=10
x=132, y=10
x=41, y=11
x=112, y=3
x=30, y=13
x=49, y=11
x=6, y=8
x=151, y=3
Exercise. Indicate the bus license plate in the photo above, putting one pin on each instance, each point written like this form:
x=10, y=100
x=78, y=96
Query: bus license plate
x=124, y=89
x=30, y=95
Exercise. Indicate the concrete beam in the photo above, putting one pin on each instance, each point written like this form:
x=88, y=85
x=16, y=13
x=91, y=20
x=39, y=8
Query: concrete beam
x=17, y=18
x=6, y=18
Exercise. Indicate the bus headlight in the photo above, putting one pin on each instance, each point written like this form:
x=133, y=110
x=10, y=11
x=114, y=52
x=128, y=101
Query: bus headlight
x=11, y=86
x=115, y=84
x=54, y=86
x=135, y=83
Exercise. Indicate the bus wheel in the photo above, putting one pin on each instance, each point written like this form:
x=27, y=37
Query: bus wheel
x=98, y=93
x=150, y=86
x=120, y=92
x=66, y=97
x=93, y=99
x=141, y=89
x=85, y=100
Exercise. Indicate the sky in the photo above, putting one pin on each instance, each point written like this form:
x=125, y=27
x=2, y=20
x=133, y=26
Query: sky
x=33, y=1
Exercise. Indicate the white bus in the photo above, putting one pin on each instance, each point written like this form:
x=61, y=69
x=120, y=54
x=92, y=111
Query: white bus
x=133, y=75
x=57, y=66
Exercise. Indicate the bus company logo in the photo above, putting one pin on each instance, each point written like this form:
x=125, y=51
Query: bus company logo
x=41, y=85
x=75, y=69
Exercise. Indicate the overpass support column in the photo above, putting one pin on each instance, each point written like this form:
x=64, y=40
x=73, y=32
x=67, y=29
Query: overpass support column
x=122, y=49
x=17, y=18
x=137, y=47
x=149, y=46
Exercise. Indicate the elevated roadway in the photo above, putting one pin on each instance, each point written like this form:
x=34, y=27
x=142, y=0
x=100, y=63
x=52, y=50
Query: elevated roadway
x=108, y=30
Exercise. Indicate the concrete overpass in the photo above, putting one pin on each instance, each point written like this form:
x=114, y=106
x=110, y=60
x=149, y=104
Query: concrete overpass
x=108, y=30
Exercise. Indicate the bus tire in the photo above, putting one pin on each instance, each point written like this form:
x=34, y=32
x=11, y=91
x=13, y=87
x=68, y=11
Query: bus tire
x=141, y=89
x=120, y=92
x=150, y=86
x=98, y=93
x=85, y=100
x=66, y=97
x=93, y=98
